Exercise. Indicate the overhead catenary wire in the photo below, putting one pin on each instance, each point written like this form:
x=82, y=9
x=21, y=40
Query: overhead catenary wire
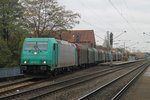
x=121, y=14
x=95, y=10
x=93, y=26
x=97, y=20
x=94, y=13
x=99, y=17
x=131, y=16
x=102, y=21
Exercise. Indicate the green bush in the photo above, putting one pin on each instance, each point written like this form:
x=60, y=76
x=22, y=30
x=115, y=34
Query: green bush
x=10, y=51
x=5, y=54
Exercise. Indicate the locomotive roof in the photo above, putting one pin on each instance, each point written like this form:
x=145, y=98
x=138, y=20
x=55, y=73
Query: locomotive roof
x=65, y=42
x=40, y=39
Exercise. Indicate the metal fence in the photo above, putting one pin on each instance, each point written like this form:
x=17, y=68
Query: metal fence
x=7, y=72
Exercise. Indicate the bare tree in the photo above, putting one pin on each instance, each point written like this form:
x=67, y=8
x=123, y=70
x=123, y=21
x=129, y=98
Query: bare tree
x=41, y=15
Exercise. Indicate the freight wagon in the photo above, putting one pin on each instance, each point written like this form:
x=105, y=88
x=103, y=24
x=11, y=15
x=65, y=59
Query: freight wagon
x=82, y=55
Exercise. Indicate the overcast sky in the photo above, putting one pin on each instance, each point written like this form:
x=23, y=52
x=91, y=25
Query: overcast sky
x=117, y=16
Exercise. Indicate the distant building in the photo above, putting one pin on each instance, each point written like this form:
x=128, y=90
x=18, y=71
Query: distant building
x=102, y=48
x=85, y=37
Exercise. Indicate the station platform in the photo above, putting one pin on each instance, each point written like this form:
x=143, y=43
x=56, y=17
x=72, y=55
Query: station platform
x=139, y=90
x=114, y=63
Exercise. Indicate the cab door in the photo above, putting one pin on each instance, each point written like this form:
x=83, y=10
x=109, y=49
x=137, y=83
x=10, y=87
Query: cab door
x=55, y=54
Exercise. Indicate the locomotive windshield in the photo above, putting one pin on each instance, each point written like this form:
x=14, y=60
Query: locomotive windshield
x=36, y=46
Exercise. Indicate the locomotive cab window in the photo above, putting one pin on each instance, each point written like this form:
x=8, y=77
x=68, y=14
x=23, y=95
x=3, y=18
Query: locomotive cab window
x=36, y=46
x=54, y=46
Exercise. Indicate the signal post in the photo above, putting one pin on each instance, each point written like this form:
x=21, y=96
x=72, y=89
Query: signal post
x=110, y=48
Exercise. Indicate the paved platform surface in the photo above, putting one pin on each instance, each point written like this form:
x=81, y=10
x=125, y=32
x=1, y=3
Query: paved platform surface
x=139, y=90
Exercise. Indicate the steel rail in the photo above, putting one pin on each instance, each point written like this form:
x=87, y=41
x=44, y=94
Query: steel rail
x=41, y=95
x=120, y=93
x=15, y=82
x=64, y=81
x=25, y=85
x=102, y=73
x=107, y=84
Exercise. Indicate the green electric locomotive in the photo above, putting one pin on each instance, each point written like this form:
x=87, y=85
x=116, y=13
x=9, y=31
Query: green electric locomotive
x=45, y=55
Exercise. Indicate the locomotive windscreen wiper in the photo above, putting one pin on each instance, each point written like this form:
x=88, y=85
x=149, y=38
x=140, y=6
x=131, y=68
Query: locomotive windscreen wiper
x=36, y=46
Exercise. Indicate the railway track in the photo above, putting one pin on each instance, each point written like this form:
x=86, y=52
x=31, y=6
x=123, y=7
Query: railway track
x=15, y=87
x=9, y=83
x=107, y=88
x=121, y=92
x=40, y=92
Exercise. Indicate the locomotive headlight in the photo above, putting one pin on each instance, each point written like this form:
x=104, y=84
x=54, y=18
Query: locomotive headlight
x=25, y=62
x=44, y=62
x=35, y=53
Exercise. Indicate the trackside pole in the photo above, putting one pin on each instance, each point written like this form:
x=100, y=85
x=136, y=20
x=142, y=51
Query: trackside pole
x=110, y=47
x=110, y=58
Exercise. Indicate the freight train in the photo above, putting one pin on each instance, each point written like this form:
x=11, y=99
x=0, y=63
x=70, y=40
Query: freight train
x=50, y=55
